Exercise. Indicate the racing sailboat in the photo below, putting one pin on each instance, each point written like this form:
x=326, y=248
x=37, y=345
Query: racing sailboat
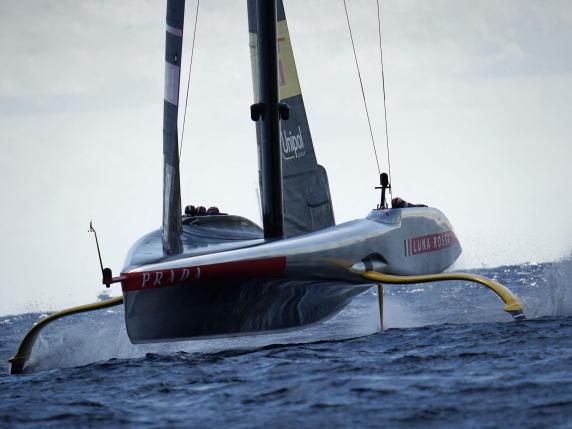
x=208, y=275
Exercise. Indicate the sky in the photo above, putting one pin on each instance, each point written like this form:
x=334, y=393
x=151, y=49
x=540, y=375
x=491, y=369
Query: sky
x=479, y=98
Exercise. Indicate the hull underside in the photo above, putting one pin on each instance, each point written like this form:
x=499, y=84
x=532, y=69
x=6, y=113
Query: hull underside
x=233, y=308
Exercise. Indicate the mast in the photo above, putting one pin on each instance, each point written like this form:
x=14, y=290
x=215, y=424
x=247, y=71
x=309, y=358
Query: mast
x=306, y=199
x=268, y=114
x=171, y=180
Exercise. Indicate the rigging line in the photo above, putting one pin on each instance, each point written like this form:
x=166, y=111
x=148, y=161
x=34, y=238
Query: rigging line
x=362, y=90
x=189, y=79
x=384, y=102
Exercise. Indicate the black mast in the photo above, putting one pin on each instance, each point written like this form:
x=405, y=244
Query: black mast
x=171, y=182
x=267, y=110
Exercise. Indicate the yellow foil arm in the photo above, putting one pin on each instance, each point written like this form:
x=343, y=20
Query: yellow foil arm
x=512, y=304
x=27, y=344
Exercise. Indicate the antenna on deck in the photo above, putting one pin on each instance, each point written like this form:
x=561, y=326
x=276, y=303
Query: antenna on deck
x=105, y=272
x=384, y=182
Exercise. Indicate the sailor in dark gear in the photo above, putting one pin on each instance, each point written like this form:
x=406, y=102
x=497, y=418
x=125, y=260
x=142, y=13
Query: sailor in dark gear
x=398, y=203
x=192, y=211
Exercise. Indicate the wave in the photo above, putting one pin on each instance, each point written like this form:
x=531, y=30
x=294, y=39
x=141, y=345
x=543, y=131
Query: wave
x=544, y=289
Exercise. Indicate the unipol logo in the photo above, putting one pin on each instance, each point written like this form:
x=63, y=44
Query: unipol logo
x=292, y=144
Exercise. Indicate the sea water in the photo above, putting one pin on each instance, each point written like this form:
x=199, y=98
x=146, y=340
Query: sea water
x=448, y=357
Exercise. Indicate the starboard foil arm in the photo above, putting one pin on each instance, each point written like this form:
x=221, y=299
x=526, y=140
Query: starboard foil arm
x=25, y=349
x=512, y=304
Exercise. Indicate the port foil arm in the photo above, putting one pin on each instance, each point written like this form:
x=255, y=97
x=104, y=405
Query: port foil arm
x=512, y=304
x=25, y=349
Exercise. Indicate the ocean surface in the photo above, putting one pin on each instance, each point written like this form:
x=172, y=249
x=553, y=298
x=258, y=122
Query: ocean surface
x=448, y=357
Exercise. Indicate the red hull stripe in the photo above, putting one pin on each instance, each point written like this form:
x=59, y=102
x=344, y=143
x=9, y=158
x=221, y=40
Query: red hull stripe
x=194, y=274
x=432, y=242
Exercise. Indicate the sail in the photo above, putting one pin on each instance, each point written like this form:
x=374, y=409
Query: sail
x=306, y=192
x=171, y=180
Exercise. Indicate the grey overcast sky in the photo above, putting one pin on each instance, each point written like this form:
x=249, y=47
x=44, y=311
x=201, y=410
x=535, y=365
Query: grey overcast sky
x=480, y=123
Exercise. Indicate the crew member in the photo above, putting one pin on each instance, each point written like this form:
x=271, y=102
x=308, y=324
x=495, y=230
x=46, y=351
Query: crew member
x=398, y=203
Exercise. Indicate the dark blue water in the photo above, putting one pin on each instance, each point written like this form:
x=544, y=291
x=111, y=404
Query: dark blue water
x=449, y=357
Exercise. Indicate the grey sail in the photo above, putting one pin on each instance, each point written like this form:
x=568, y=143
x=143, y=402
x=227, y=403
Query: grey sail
x=171, y=179
x=306, y=192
